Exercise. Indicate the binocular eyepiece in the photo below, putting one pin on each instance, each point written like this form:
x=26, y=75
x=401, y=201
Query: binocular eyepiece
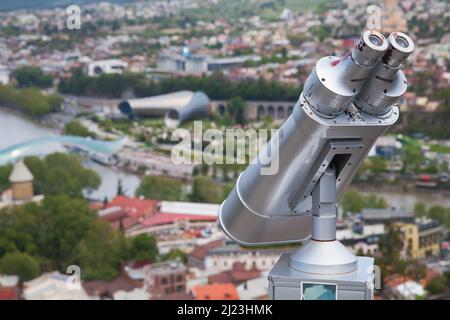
x=369, y=76
x=370, y=49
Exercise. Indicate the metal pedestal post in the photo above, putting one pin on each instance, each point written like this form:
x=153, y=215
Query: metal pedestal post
x=322, y=268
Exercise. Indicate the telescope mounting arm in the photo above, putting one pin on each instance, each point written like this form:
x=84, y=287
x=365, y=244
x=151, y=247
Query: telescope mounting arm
x=324, y=206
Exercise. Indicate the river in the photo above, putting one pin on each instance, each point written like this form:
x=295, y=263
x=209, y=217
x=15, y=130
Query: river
x=15, y=129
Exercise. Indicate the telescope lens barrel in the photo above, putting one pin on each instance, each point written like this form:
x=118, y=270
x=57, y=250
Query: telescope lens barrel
x=387, y=83
x=334, y=82
x=400, y=47
x=370, y=48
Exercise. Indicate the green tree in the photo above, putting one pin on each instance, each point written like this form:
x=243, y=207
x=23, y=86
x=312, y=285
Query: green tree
x=372, y=201
x=412, y=157
x=51, y=230
x=100, y=252
x=174, y=254
x=55, y=101
x=204, y=189
x=67, y=222
x=21, y=264
x=391, y=245
x=119, y=188
x=5, y=171
x=61, y=173
x=446, y=276
x=377, y=165
x=420, y=209
x=75, y=128
x=226, y=191
x=236, y=107
x=321, y=32
x=144, y=247
x=30, y=101
x=355, y=202
x=28, y=76
x=204, y=168
x=160, y=188
x=352, y=201
x=436, y=285
x=216, y=86
x=440, y=214
x=59, y=232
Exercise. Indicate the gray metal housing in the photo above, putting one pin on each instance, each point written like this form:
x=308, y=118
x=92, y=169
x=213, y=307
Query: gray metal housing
x=268, y=209
x=286, y=283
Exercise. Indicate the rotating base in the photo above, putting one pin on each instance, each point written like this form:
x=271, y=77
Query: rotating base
x=323, y=257
x=287, y=283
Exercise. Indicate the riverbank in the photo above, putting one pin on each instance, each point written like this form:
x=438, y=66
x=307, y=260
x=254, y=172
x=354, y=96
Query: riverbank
x=16, y=128
x=400, y=198
x=402, y=188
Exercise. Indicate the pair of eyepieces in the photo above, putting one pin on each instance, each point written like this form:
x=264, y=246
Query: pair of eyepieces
x=374, y=47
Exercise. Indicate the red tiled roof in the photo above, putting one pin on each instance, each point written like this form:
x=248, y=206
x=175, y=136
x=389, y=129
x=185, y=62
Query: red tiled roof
x=223, y=277
x=396, y=280
x=9, y=293
x=237, y=275
x=115, y=215
x=137, y=264
x=200, y=251
x=98, y=287
x=126, y=223
x=241, y=276
x=429, y=275
x=217, y=291
x=134, y=207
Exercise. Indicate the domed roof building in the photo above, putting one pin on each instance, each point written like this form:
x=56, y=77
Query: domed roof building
x=175, y=107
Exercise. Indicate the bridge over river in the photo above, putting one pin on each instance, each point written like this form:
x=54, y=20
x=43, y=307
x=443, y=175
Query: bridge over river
x=45, y=145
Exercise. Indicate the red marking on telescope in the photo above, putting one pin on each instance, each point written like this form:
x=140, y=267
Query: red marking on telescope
x=336, y=62
x=387, y=56
x=361, y=45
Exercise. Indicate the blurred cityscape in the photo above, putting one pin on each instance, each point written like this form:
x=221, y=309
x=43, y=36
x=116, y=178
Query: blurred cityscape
x=92, y=205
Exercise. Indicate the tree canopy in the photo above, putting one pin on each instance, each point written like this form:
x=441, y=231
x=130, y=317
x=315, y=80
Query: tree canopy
x=236, y=107
x=354, y=202
x=216, y=86
x=21, y=264
x=28, y=76
x=58, y=173
x=160, y=188
x=204, y=189
x=100, y=252
x=51, y=229
x=143, y=247
x=76, y=128
x=29, y=101
x=5, y=171
x=439, y=213
x=61, y=173
x=59, y=232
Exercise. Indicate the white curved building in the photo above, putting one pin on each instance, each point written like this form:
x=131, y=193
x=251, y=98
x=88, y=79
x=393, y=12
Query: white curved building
x=174, y=107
